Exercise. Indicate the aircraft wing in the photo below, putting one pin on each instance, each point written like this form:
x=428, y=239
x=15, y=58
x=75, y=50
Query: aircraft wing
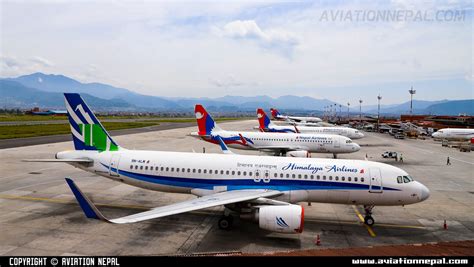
x=207, y=201
x=279, y=148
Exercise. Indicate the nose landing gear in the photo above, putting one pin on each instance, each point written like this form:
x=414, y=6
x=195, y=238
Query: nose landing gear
x=368, y=220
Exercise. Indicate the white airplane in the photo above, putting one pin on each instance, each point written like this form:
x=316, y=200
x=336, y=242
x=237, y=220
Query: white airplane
x=454, y=134
x=291, y=145
x=262, y=188
x=265, y=125
x=277, y=116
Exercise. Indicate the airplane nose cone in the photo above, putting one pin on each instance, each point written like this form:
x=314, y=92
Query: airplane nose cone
x=360, y=135
x=356, y=147
x=425, y=193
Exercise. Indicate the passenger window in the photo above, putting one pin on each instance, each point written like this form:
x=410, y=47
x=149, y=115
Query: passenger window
x=281, y=175
x=293, y=176
x=189, y=170
x=343, y=178
x=318, y=177
x=362, y=179
x=227, y=172
x=287, y=175
x=199, y=170
x=312, y=177
x=222, y=171
x=131, y=166
x=146, y=168
x=275, y=175
x=324, y=177
x=161, y=168
x=238, y=173
x=204, y=171
x=136, y=167
x=250, y=173
x=167, y=169
x=194, y=170
x=306, y=176
x=172, y=169
x=349, y=179
x=245, y=173
x=141, y=167
x=299, y=176
x=337, y=178
x=355, y=179
x=330, y=178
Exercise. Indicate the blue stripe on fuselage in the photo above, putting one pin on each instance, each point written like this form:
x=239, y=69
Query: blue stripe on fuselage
x=237, y=184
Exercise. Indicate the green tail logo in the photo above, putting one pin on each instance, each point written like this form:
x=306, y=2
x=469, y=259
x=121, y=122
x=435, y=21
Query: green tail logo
x=95, y=136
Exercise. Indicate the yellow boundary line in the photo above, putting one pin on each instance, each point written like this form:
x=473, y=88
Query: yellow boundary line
x=369, y=229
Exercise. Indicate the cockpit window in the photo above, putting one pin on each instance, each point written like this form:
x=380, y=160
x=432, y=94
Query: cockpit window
x=407, y=179
x=399, y=179
x=348, y=141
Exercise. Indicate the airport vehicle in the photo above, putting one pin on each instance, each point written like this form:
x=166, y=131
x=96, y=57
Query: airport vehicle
x=262, y=188
x=277, y=116
x=454, y=134
x=284, y=144
x=399, y=136
x=389, y=154
x=265, y=125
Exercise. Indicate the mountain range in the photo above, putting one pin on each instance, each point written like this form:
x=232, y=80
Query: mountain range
x=45, y=91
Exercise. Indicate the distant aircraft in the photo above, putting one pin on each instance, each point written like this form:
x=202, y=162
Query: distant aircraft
x=454, y=134
x=277, y=116
x=262, y=188
x=293, y=144
x=265, y=125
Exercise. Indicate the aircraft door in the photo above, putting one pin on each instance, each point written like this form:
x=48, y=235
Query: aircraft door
x=114, y=165
x=375, y=181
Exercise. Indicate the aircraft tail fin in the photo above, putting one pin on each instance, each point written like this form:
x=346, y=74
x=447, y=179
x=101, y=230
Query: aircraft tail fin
x=263, y=120
x=206, y=124
x=275, y=113
x=87, y=131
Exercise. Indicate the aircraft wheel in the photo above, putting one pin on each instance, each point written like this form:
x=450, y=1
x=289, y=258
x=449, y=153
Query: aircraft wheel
x=225, y=223
x=369, y=220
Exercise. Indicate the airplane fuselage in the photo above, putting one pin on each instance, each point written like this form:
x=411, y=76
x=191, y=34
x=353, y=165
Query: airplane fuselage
x=315, y=143
x=300, y=179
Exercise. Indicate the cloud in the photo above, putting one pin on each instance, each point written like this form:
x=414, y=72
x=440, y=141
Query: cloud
x=249, y=29
x=42, y=61
x=229, y=81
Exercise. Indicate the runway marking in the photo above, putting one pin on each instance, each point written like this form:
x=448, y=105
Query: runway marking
x=369, y=229
x=64, y=201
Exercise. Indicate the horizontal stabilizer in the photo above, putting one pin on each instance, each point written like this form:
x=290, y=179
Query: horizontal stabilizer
x=60, y=160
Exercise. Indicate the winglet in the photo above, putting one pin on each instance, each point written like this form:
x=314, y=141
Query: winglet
x=87, y=206
x=224, y=147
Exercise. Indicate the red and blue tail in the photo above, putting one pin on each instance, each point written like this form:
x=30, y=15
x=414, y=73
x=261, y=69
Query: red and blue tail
x=206, y=124
x=275, y=113
x=263, y=120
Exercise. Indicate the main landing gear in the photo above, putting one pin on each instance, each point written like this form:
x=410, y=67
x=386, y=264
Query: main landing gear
x=225, y=222
x=368, y=215
x=334, y=155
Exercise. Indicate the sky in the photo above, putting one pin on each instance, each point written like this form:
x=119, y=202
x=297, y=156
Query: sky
x=338, y=50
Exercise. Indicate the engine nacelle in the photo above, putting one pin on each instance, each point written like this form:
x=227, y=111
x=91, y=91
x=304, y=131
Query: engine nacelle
x=299, y=154
x=283, y=219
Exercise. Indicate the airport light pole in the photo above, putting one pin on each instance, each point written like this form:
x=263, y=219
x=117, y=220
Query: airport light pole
x=348, y=105
x=412, y=92
x=378, y=112
x=340, y=111
x=360, y=110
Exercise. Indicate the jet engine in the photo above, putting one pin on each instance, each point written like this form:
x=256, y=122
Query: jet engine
x=299, y=154
x=283, y=219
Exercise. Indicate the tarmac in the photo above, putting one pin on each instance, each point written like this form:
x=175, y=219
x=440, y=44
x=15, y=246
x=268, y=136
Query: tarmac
x=39, y=215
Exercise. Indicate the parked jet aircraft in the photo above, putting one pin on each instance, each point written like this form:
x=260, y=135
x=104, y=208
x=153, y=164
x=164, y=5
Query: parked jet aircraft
x=265, y=125
x=292, y=145
x=277, y=116
x=454, y=134
x=262, y=188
